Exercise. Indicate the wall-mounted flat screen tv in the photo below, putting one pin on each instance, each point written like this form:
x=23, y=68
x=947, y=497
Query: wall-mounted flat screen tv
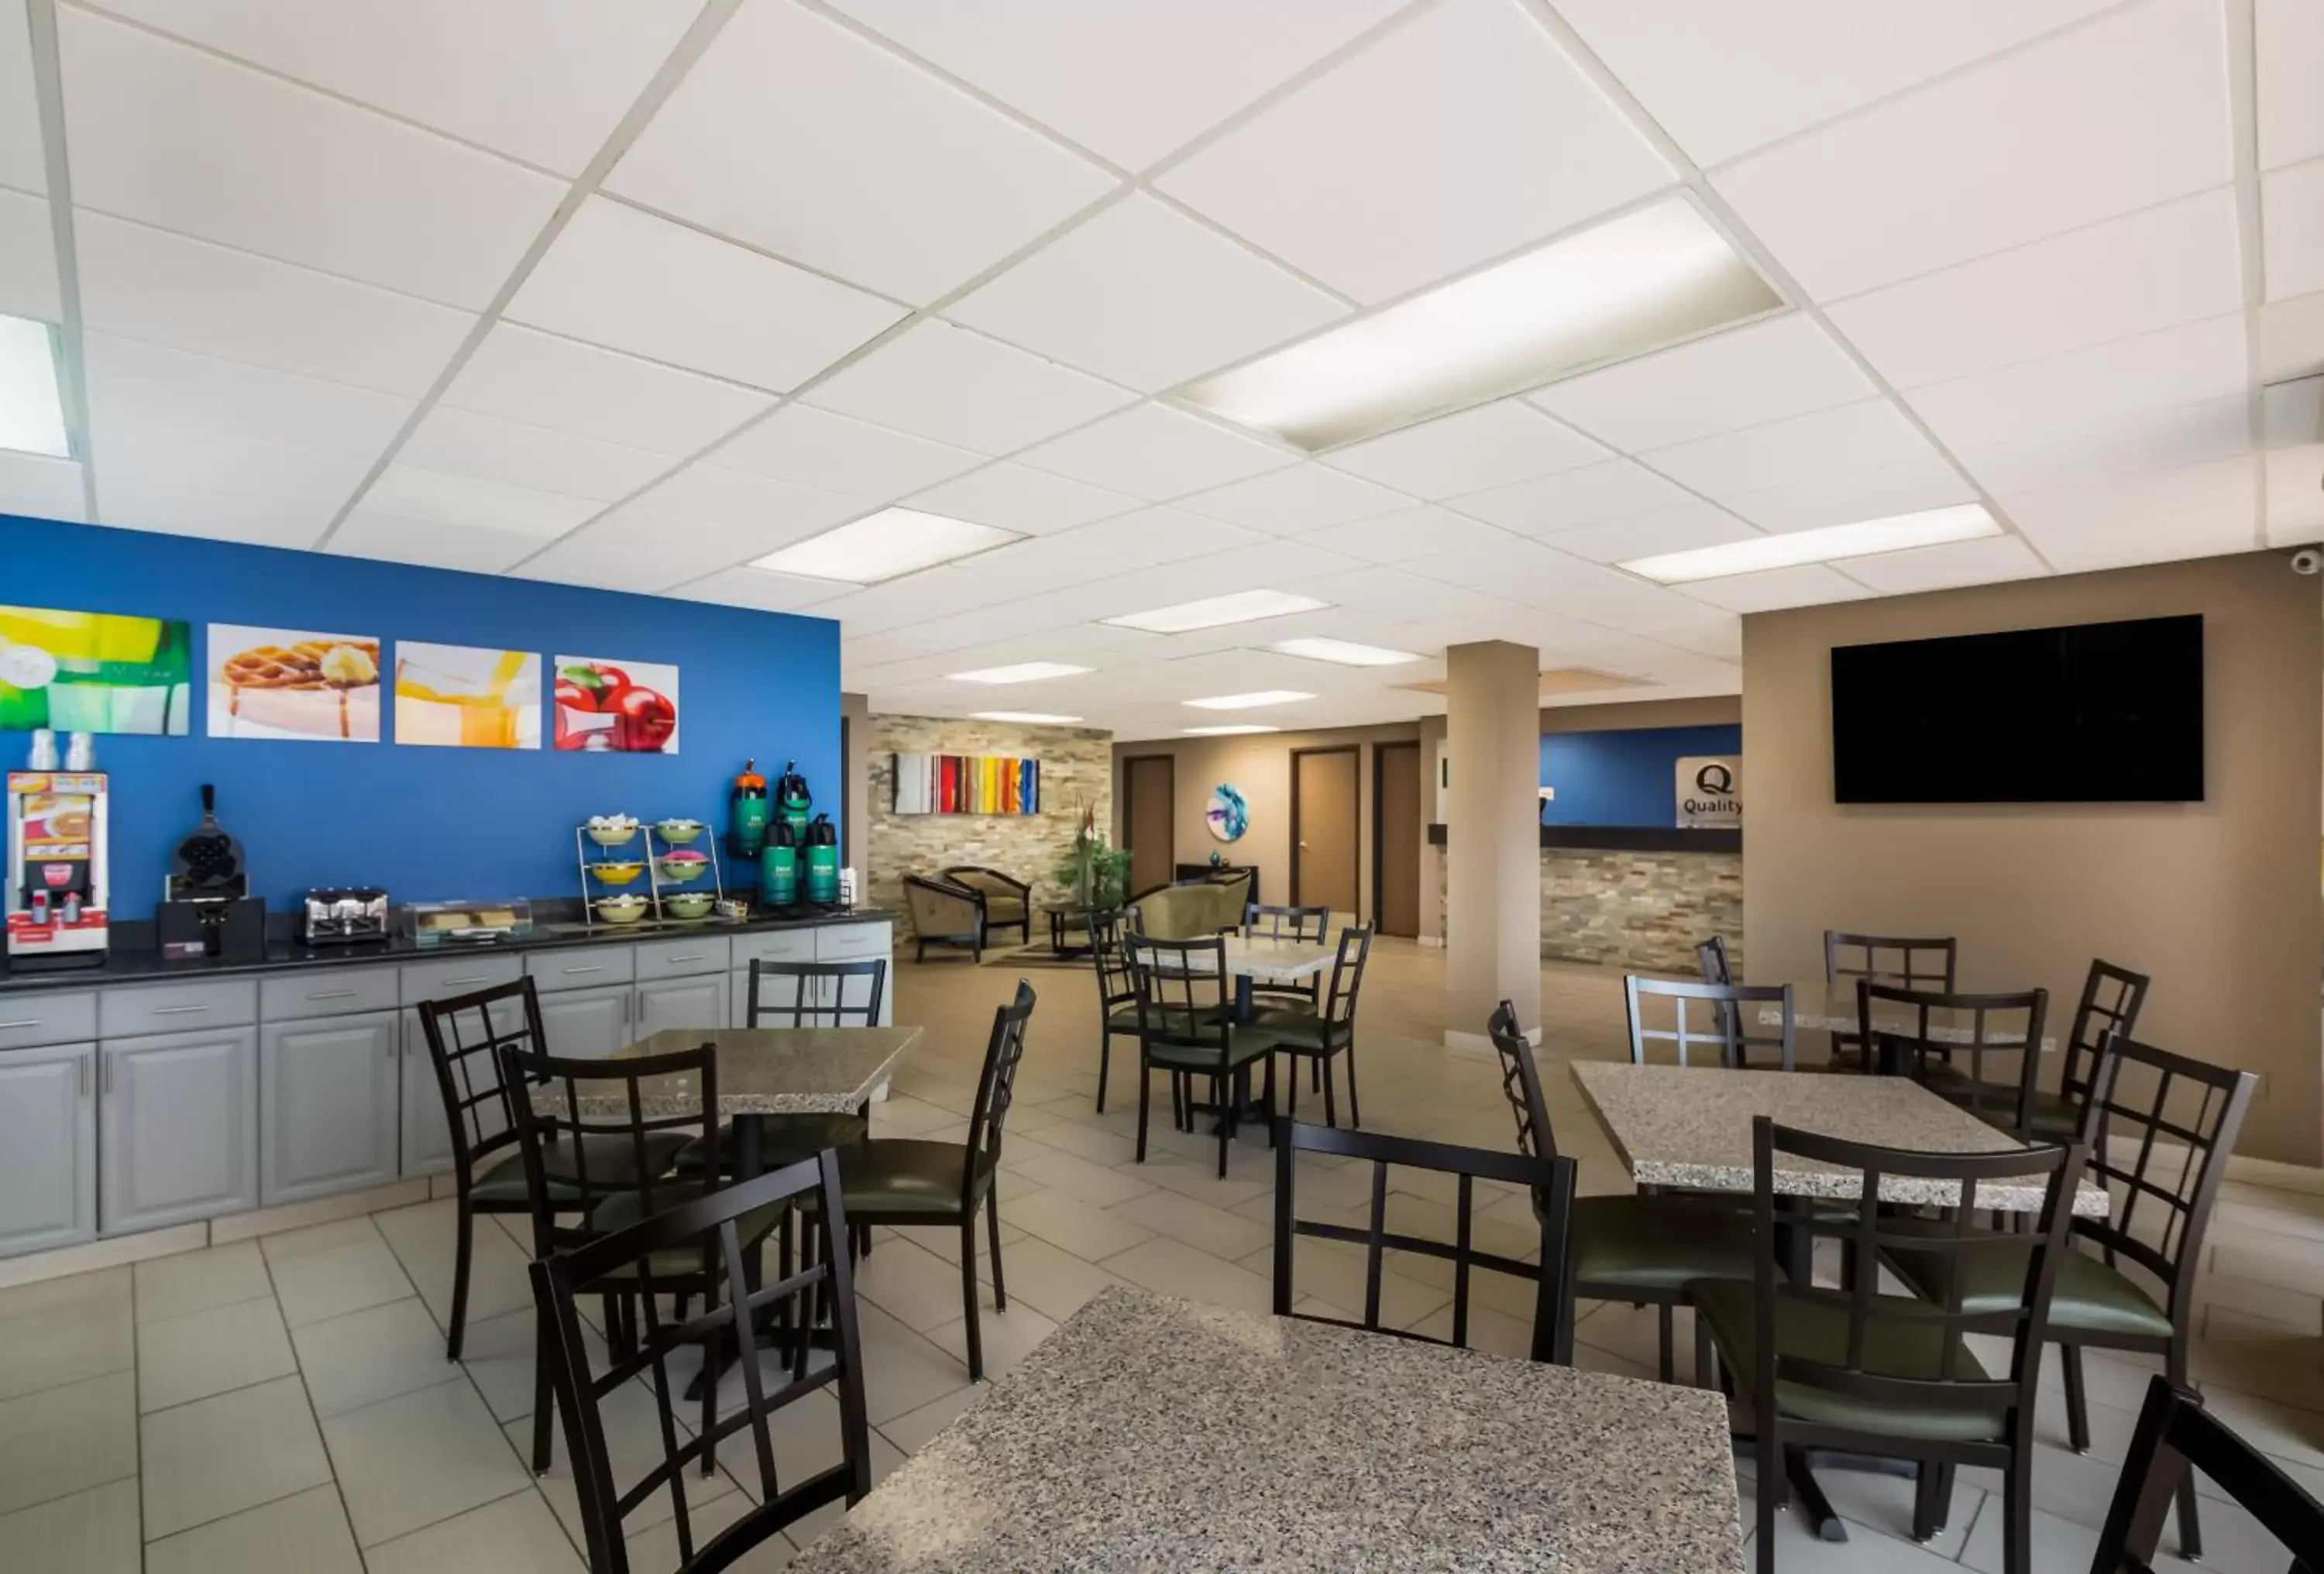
x=2096, y=713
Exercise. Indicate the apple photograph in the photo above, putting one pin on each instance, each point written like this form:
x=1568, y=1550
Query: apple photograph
x=294, y=683
x=608, y=706
x=466, y=697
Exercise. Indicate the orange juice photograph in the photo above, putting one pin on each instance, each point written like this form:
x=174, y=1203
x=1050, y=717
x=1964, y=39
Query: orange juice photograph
x=466, y=697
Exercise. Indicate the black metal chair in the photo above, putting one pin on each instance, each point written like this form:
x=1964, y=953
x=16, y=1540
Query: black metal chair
x=712, y=1233
x=801, y=994
x=1982, y=1028
x=1857, y=1370
x=1318, y=1034
x=2112, y=998
x=2176, y=1437
x=1733, y=1011
x=1915, y=962
x=1551, y=1180
x=1117, y=990
x=1186, y=1027
x=1309, y=926
x=1711, y=957
x=2165, y=1137
x=1640, y=1249
x=465, y=1034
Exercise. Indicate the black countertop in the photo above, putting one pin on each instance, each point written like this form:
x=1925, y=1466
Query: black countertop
x=1626, y=839
x=137, y=967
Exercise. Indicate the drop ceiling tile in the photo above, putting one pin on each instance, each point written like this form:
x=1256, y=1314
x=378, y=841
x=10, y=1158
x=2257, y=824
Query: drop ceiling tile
x=1201, y=300
x=937, y=381
x=42, y=488
x=2125, y=113
x=544, y=381
x=189, y=483
x=192, y=143
x=2291, y=414
x=129, y=379
x=1337, y=183
x=431, y=543
x=1537, y=576
x=144, y=284
x=1957, y=563
x=778, y=134
x=1490, y=446
x=1011, y=497
x=22, y=163
x=1294, y=500
x=545, y=83
x=1155, y=453
x=2146, y=439
x=1745, y=377
x=1866, y=435
x=1411, y=535
x=767, y=592
x=815, y=448
x=1024, y=569
x=1164, y=535
x=1845, y=497
x=2291, y=338
x=702, y=520
x=2291, y=221
x=465, y=443
x=28, y=257
x=2288, y=44
x=413, y=493
x=2174, y=366
x=1683, y=528
x=1722, y=79
x=1809, y=585
x=1614, y=489
x=2295, y=496
x=2188, y=512
x=2149, y=270
x=626, y=280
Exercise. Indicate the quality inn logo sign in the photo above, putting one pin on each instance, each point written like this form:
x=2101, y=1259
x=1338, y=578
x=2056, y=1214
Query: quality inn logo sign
x=1710, y=792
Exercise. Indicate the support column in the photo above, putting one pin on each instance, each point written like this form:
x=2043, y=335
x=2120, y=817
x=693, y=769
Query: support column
x=1492, y=820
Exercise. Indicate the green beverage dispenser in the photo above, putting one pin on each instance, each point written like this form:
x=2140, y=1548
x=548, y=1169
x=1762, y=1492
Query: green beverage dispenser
x=823, y=860
x=779, y=867
x=792, y=800
x=746, y=811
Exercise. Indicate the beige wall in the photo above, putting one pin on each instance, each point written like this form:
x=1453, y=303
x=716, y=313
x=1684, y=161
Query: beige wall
x=1710, y=711
x=2218, y=900
x=1259, y=765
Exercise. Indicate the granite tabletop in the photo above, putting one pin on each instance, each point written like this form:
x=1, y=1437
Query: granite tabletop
x=1690, y=1127
x=1832, y=1007
x=1278, y=962
x=1154, y=1433
x=762, y=1071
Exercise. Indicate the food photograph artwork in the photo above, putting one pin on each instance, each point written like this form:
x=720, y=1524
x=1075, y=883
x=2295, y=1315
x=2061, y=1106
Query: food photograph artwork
x=294, y=683
x=94, y=672
x=608, y=706
x=466, y=697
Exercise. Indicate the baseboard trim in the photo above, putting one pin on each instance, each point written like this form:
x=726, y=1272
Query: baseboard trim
x=89, y=1256
x=2272, y=1174
x=264, y=1221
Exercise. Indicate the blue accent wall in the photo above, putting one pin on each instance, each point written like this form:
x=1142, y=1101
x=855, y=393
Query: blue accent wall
x=424, y=822
x=1623, y=777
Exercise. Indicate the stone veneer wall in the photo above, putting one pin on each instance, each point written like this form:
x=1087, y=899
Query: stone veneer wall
x=1642, y=910
x=1077, y=772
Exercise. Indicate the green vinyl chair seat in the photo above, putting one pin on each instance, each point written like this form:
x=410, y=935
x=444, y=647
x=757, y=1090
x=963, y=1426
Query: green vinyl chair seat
x=783, y=1139
x=605, y=1159
x=1244, y=1048
x=890, y=1176
x=628, y=1208
x=2055, y=1117
x=2091, y=1297
x=1817, y=1329
x=1295, y=1026
x=1659, y=1243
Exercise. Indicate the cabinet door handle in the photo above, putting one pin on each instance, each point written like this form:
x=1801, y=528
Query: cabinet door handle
x=108, y=1076
x=84, y=1074
x=472, y=979
x=178, y=1010
x=27, y=1022
x=672, y=961
x=333, y=995
x=571, y=970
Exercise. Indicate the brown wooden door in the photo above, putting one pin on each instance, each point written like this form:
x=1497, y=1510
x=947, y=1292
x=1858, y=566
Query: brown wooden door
x=1323, y=828
x=1149, y=813
x=1396, y=838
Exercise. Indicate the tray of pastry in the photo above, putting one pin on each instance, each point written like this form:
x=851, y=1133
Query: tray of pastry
x=485, y=923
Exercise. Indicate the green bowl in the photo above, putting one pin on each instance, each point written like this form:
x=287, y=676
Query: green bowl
x=622, y=909
x=682, y=869
x=678, y=831
x=687, y=904
x=614, y=838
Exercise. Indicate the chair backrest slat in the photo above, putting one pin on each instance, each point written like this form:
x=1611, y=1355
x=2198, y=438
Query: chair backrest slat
x=996, y=1085
x=792, y=994
x=570, y=1163
x=2176, y=1433
x=2112, y=998
x=1116, y=988
x=465, y=1036
x=1718, y=967
x=1915, y=962
x=1348, y=974
x=1184, y=991
x=1984, y=1027
x=1521, y=1084
x=1724, y=1028
x=1312, y=924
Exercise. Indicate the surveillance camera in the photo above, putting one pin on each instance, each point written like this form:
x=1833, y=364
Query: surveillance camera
x=2308, y=560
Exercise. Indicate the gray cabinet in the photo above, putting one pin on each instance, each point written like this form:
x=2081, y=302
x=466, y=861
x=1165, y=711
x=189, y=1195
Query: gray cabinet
x=691, y=1002
x=48, y=1147
x=328, y=1093
x=177, y=1128
x=427, y=1141
x=586, y=1024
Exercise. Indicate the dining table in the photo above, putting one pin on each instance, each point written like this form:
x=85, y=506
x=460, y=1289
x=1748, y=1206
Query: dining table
x=1150, y=1433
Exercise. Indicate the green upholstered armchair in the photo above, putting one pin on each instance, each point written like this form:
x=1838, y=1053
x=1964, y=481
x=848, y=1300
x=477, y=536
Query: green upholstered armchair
x=1006, y=901
x=1196, y=910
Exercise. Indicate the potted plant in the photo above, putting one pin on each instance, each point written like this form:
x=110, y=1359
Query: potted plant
x=1095, y=874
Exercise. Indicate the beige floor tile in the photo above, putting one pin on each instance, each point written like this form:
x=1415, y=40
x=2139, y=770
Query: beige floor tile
x=518, y=1535
x=306, y=1534
x=806, y=1440
x=73, y=1289
x=371, y=1355
x=634, y=1445
x=1069, y=1224
x=1051, y=1281
x=904, y=1116
x=1009, y=1336
x=68, y=1440
x=915, y=1287
x=332, y=1281
x=1095, y=1184
x=1175, y=1269
x=290, y=1244
x=910, y=1432
x=409, y=1461
x=901, y=1370
x=656, y=1547
x=499, y=1361
x=219, y=1456
x=1198, y=1179
x=423, y=1239
x=1095, y=1144
x=197, y=1281
x=89, y=1532
x=1197, y=1223
x=70, y=1342
x=1339, y=1276
x=202, y=1353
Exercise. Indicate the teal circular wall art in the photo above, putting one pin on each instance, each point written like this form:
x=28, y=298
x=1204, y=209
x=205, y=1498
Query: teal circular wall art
x=1228, y=816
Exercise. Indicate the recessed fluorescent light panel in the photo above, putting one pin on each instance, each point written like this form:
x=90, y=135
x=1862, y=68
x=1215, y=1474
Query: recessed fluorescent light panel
x=1865, y=537
x=1629, y=286
x=1023, y=672
x=1243, y=606
x=32, y=411
x=1249, y=702
x=1236, y=731
x=1030, y=718
x=893, y=541
x=1346, y=652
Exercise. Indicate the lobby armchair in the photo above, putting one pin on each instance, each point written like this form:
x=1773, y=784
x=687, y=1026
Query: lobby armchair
x=1006, y=901
x=944, y=913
